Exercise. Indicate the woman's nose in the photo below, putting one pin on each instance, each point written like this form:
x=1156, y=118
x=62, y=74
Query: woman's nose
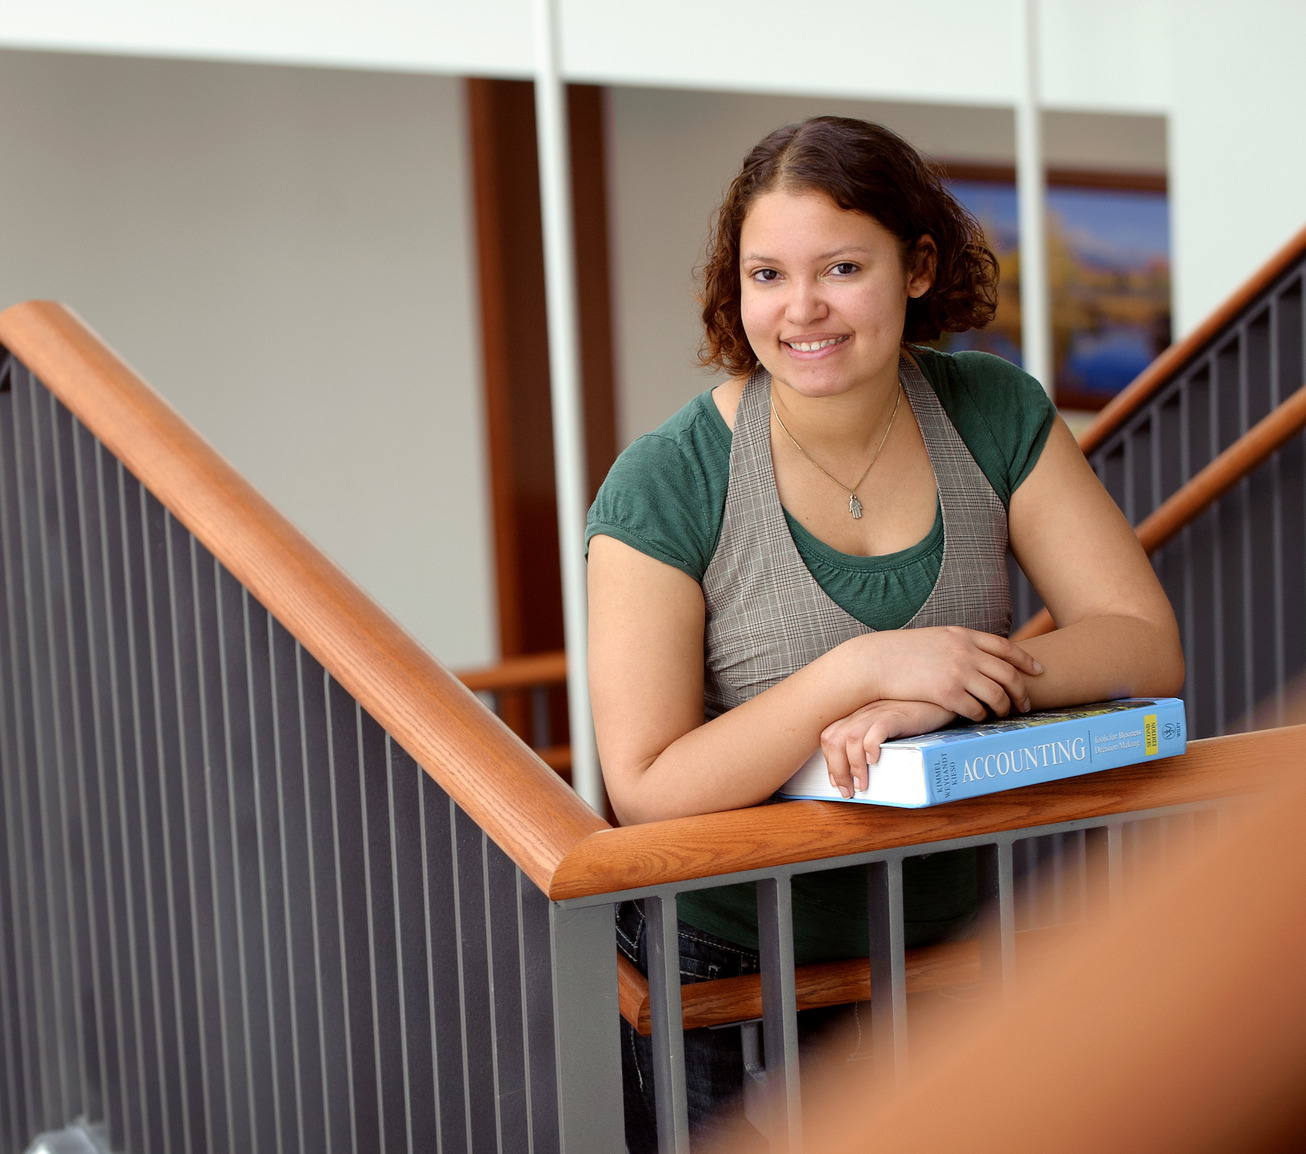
x=806, y=302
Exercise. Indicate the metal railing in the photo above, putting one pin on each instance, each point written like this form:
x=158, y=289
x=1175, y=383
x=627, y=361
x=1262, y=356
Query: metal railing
x=270, y=878
x=1234, y=570
x=235, y=913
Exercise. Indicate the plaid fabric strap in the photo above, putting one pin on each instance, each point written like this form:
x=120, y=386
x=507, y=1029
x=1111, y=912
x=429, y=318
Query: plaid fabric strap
x=766, y=615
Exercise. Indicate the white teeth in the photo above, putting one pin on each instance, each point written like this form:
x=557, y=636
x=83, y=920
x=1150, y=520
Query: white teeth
x=813, y=346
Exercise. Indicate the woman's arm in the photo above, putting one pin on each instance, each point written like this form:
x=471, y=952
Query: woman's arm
x=646, y=681
x=1115, y=633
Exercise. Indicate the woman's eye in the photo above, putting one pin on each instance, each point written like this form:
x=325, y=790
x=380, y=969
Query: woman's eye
x=844, y=268
x=764, y=275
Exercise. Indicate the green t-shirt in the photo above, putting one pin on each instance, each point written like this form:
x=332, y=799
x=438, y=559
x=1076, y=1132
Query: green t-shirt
x=665, y=496
x=666, y=493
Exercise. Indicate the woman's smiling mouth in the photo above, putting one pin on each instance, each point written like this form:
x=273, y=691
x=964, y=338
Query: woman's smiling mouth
x=815, y=346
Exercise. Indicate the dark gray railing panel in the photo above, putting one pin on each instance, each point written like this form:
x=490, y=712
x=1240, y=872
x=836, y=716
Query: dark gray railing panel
x=233, y=914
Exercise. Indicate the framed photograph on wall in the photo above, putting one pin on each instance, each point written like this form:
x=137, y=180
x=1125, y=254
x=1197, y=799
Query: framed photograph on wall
x=1109, y=266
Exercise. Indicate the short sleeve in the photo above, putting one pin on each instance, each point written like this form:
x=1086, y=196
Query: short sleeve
x=1002, y=413
x=656, y=500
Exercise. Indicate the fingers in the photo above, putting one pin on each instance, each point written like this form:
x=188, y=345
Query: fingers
x=991, y=671
x=841, y=754
x=1008, y=651
x=883, y=728
x=852, y=744
x=845, y=759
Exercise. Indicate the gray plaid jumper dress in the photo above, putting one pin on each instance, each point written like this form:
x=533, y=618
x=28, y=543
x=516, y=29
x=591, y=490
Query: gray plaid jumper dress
x=766, y=615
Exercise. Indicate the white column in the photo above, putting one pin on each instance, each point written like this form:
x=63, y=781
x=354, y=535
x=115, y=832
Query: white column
x=1031, y=197
x=565, y=384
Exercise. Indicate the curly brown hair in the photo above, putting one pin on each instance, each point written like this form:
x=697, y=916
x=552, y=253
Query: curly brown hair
x=864, y=168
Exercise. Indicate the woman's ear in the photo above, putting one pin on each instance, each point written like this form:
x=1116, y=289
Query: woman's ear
x=922, y=260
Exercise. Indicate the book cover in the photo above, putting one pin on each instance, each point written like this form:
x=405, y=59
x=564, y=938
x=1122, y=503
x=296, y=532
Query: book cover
x=971, y=760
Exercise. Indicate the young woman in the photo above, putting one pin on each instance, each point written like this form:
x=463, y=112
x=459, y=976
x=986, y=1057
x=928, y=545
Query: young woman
x=813, y=553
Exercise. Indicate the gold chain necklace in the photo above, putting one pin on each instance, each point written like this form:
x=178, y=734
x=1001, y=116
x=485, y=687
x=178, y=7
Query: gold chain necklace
x=854, y=502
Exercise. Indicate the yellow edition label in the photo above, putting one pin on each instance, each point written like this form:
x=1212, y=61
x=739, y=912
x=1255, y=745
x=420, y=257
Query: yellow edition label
x=1149, y=733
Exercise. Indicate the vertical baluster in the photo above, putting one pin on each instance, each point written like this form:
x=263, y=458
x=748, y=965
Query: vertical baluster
x=355, y=748
x=57, y=809
x=195, y=937
x=538, y=1023
x=587, y=1040
x=295, y=997
x=261, y=877
x=474, y=983
x=668, y=1024
x=159, y=798
x=15, y=712
x=328, y=1089
x=511, y=1099
x=74, y=441
x=1104, y=867
x=1219, y=393
x=42, y=754
x=118, y=756
x=444, y=962
x=888, y=966
x=775, y=929
x=998, y=925
x=409, y=1060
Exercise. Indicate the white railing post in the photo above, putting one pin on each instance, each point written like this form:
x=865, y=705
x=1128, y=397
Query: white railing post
x=565, y=386
x=1031, y=200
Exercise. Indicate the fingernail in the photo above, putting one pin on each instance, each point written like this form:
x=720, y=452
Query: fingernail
x=1024, y=706
x=845, y=792
x=1037, y=667
x=858, y=785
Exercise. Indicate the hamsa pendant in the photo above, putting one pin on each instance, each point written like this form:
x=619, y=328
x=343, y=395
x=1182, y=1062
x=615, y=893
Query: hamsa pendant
x=854, y=506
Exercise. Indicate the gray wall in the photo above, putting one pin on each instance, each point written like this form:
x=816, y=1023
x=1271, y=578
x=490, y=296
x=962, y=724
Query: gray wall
x=285, y=255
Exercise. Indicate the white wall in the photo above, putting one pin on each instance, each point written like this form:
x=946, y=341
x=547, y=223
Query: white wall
x=1227, y=75
x=1238, y=152
x=285, y=255
x=281, y=248
x=671, y=154
x=412, y=35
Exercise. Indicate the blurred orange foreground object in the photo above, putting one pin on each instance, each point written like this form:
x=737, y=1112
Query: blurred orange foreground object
x=1179, y=1026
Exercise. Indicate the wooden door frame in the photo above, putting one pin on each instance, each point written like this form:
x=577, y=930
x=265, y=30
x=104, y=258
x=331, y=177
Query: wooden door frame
x=514, y=342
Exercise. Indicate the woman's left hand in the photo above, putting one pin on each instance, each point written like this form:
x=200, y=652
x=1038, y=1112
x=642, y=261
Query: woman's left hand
x=852, y=742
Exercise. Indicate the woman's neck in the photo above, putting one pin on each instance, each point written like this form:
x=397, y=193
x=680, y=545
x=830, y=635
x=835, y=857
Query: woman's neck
x=845, y=426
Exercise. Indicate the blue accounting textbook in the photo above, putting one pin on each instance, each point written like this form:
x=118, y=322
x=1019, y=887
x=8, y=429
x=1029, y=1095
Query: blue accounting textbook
x=970, y=760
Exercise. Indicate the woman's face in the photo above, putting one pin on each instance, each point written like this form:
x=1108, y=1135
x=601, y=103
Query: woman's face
x=823, y=293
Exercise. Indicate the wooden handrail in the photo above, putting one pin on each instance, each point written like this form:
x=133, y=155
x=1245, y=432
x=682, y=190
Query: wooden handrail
x=525, y=672
x=1171, y=362
x=1272, y=432
x=712, y=844
x=723, y=1001
x=472, y=755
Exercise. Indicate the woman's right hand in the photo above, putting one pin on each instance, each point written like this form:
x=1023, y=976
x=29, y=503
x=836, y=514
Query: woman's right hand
x=852, y=743
x=966, y=672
